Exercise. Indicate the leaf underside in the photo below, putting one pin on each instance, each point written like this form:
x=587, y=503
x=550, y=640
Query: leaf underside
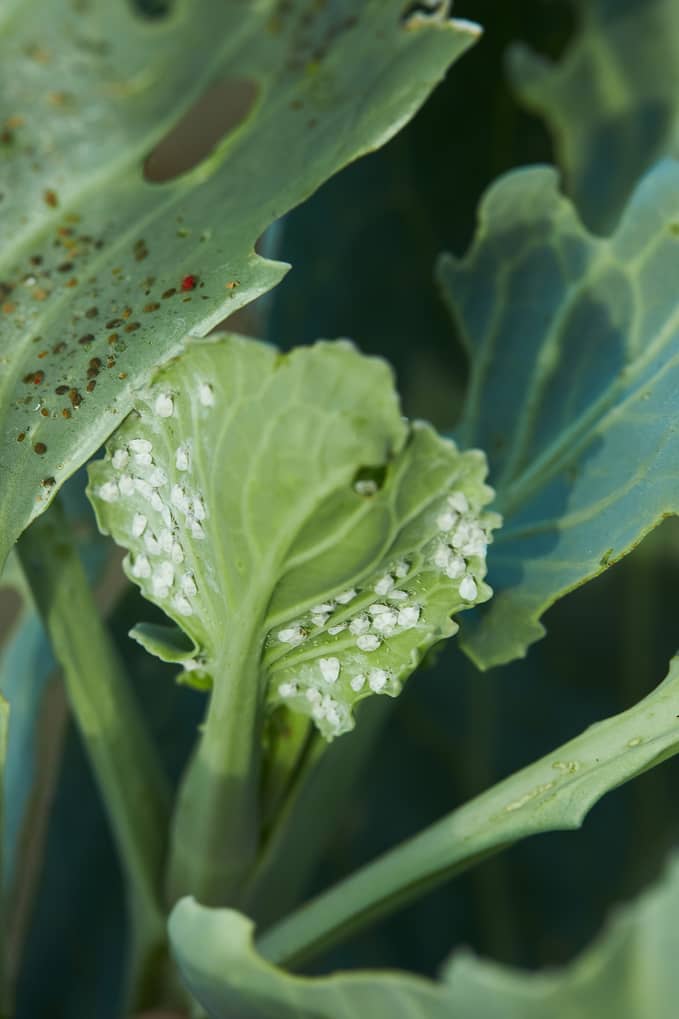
x=574, y=388
x=629, y=972
x=280, y=504
x=611, y=101
x=103, y=274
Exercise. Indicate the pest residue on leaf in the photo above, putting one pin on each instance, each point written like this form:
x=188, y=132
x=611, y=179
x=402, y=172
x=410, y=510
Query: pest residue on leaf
x=360, y=638
x=363, y=623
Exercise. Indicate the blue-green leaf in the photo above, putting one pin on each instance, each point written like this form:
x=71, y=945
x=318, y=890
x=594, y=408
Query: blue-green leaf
x=278, y=507
x=104, y=273
x=631, y=971
x=574, y=388
x=612, y=100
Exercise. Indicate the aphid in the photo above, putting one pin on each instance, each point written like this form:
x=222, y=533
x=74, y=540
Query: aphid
x=152, y=544
x=446, y=521
x=139, y=523
x=140, y=446
x=377, y=680
x=109, y=491
x=206, y=394
x=459, y=502
x=141, y=567
x=408, y=616
x=179, y=498
x=468, y=589
x=385, y=622
x=385, y=584
x=330, y=669
x=181, y=459
x=127, y=485
x=368, y=642
x=378, y=608
x=359, y=625
x=182, y=605
x=164, y=405
x=157, y=477
x=291, y=635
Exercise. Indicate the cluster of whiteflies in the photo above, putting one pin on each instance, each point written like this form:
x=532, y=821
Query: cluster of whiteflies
x=357, y=642
x=161, y=511
x=359, y=623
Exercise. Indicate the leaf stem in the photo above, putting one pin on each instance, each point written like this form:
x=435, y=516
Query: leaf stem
x=310, y=816
x=215, y=829
x=122, y=756
x=554, y=793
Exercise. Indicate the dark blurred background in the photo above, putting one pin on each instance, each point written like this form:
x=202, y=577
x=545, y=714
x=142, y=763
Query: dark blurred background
x=363, y=250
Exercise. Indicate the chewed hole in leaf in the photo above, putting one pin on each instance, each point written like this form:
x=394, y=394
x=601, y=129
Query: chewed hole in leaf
x=153, y=9
x=216, y=114
x=424, y=7
x=369, y=480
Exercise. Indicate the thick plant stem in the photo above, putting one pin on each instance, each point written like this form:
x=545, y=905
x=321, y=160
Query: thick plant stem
x=310, y=816
x=215, y=830
x=123, y=759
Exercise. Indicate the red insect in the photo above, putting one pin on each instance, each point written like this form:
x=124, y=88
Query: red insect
x=189, y=282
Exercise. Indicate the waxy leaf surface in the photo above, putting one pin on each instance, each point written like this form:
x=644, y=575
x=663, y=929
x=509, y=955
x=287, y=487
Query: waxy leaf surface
x=628, y=972
x=103, y=273
x=281, y=505
x=233, y=980
x=574, y=388
x=611, y=101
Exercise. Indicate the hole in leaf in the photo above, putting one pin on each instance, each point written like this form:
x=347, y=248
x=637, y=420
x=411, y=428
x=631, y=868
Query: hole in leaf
x=368, y=480
x=153, y=9
x=426, y=7
x=220, y=109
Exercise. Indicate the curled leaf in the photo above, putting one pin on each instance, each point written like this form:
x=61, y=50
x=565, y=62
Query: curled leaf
x=280, y=504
